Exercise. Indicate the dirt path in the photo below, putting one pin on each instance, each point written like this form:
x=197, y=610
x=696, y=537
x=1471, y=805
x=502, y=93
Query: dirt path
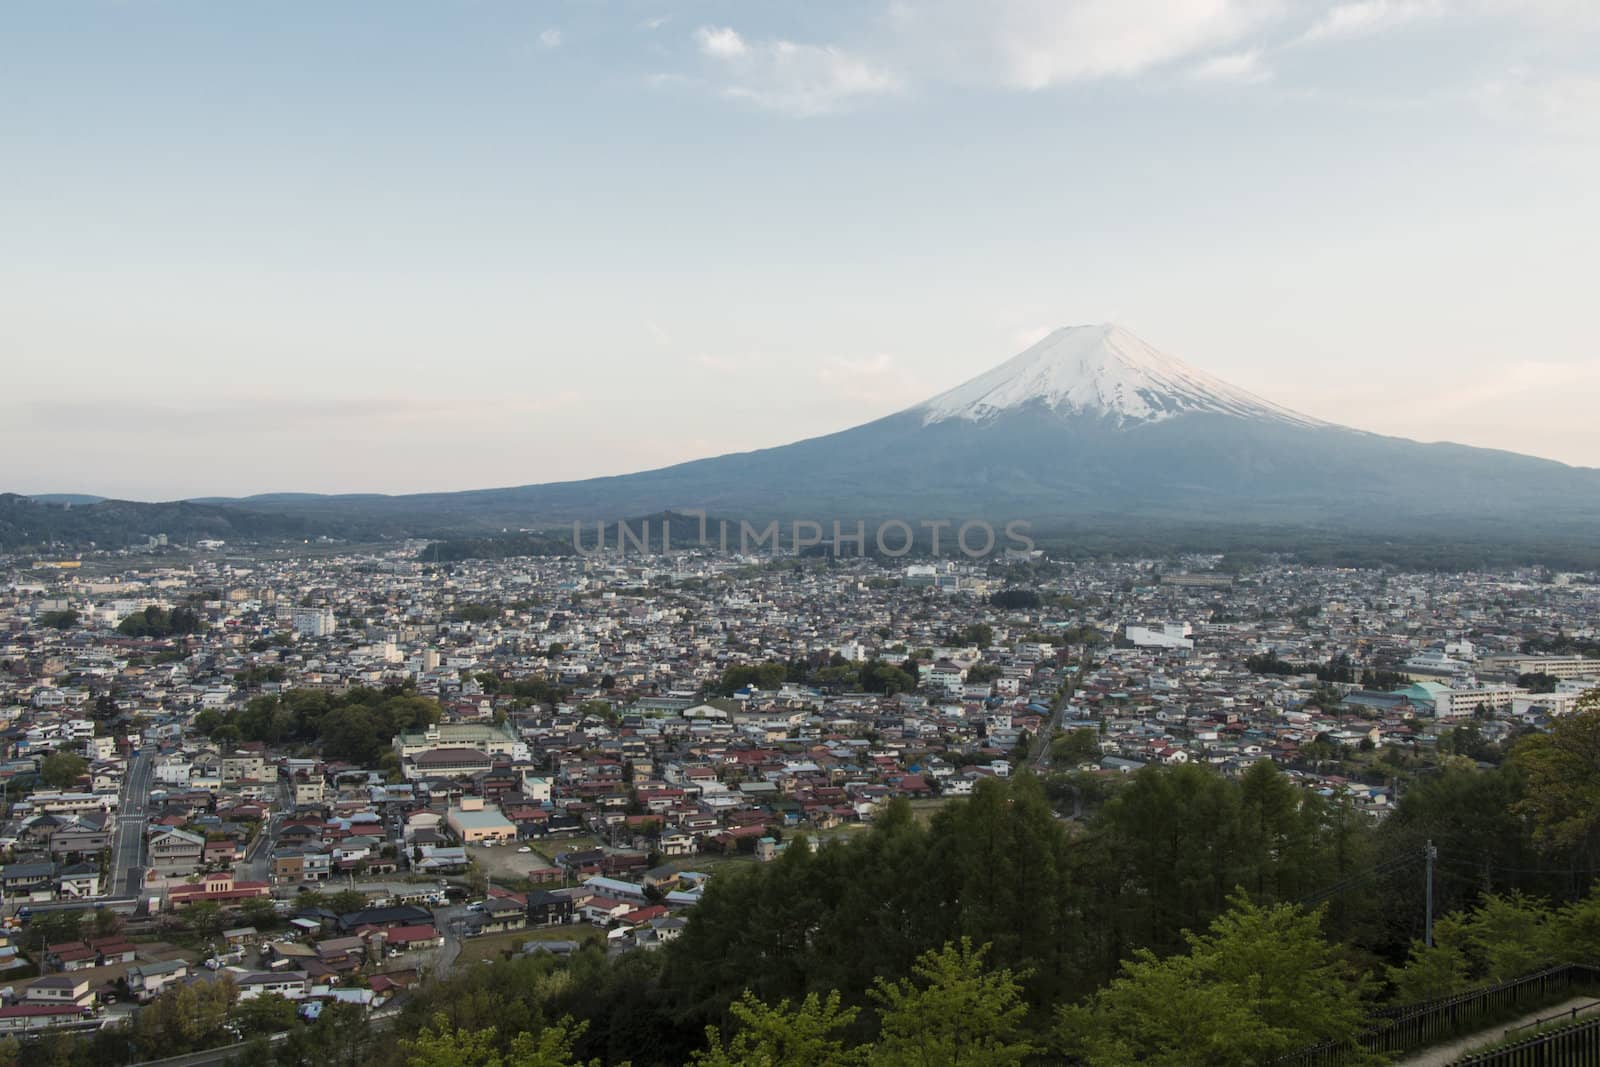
x=1442, y=1055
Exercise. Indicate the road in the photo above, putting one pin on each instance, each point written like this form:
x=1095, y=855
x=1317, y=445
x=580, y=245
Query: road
x=1040, y=759
x=452, y=923
x=257, y=865
x=127, y=850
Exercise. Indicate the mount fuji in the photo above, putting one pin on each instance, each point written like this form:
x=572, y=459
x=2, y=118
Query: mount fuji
x=1104, y=372
x=1089, y=429
x=1091, y=425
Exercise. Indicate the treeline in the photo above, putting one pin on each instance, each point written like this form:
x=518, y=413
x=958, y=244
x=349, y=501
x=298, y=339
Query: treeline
x=356, y=724
x=1147, y=916
x=1562, y=645
x=1338, y=669
x=1059, y=911
x=824, y=672
x=156, y=621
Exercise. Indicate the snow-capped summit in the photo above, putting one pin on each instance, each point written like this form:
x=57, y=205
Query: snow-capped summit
x=1101, y=370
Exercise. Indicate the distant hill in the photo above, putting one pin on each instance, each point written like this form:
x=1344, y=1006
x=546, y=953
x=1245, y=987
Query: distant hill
x=1089, y=431
x=28, y=521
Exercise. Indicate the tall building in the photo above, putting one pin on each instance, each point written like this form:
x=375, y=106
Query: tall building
x=313, y=622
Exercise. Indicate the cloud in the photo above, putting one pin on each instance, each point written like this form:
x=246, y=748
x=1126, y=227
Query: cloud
x=1037, y=44
x=1241, y=67
x=720, y=364
x=550, y=38
x=1362, y=18
x=723, y=42
x=657, y=332
x=869, y=378
x=650, y=25
x=1562, y=103
x=794, y=79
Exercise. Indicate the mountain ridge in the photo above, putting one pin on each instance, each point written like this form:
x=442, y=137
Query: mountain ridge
x=1089, y=425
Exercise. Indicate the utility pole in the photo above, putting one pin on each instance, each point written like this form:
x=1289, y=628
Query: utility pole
x=1429, y=854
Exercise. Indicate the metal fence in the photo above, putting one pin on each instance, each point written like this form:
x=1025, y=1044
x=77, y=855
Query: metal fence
x=1411, y=1026
x=1576, y=1045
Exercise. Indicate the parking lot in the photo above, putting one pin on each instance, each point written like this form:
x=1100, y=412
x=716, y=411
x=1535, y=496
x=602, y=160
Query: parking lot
x=503, y=862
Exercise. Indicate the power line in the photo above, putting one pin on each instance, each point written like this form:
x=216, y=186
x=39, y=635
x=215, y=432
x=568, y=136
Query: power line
x=1355, y=881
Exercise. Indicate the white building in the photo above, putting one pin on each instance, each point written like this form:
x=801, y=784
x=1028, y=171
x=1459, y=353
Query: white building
x=313, y=622
x=1463, y=702
x=1166, y=635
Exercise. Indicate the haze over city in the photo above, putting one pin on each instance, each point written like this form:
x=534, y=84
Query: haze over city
x=407, y=246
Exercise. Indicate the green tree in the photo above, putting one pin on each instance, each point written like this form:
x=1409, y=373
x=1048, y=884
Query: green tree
x=788, y=1035
x=260, y=912
x=62, y=770
x=58, y=620
x=953, y=1011
x=1562, y=794
x=1076, y=747
x=1260, y=982
x=269, y=1014
x=346, y=901
x=204, y=918
x=1436, y=971
x=441, y=1046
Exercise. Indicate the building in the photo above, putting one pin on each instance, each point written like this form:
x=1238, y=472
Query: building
x=549, y=909
x=174, y=851
x=1556, y=666
x=475, y=824
x=1162, y=635
x=1465, y=702
x=486, y=737
x=313, y=622
x=147, y=980
x=220, y=888
x=69, y=990
x=23, y=1018
x=447, y=763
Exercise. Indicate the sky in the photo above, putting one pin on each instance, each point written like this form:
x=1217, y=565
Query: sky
x=394, y=246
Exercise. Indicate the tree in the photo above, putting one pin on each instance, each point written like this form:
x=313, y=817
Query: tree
x=268, y=1014
x=58, y=620
x=1015, y=599
x=347, y=900
x=1562, y=794
x=1260, y=982
x=1538, y=682
x=1075, y=747
x=955, y=1011
x=980, y=634
x=204, y=918
x=788, y=1035
x=979, y=673
x=260, y=912
x=53, y=928
x=62, y=770
x=440, y=1046
x=106, y=922
x=1431, y=972
x=155, y=621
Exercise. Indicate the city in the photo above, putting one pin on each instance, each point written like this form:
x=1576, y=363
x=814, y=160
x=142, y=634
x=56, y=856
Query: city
x=327, y=776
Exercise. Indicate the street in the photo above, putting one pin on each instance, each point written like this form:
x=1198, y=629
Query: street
x=257, y=865
x=127, y=850
x=452, y=923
